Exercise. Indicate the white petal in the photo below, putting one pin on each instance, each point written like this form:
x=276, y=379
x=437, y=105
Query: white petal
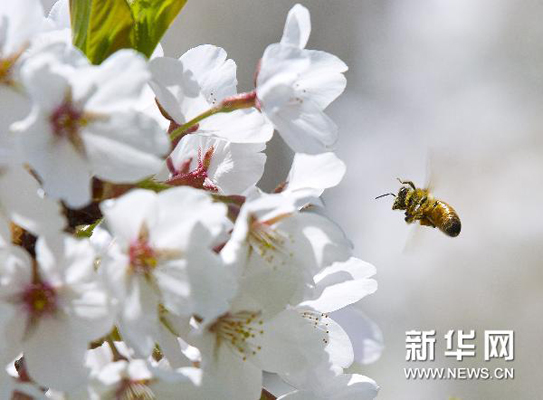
x=319, y=171
x=305, y=128
x=354, y=387
x=60, y=14
x=212, y=283
x=180, y=209
x=289, y=343
x=240, y=126
x=355, y=267
x=343, y=387
x=176, y=89
x=342, y=284
x=44, y=82
x=25, y=207
x=227, y=376
x=121, y=78
x=366, y=336
x=297, y=27
x=270, y=286
x=54, y=343
x=126, y=148
x=63, y=170
x=171, y=278
x=323, y=81
x=247, y=167
x=5, y=235
x=139, y=319
x=215, y=74
x=13, y=326
x=14, y=106
x=170, y=348
x=25, y=19
x=125, y=215
x=280, y=64
x=339, y=346
x=300, y=395
x=319, y=241
x=66, y=257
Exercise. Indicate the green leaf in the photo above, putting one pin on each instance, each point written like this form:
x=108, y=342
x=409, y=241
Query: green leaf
x=101, y=27
x=80, y=15
x=86, y=231
x=152, y=20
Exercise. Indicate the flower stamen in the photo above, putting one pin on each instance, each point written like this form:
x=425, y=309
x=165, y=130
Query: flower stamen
x=134, y=390
x=6, y=67
x=143, y=257
x=198, y=177
x=239, y=331
x=319, y=321
x=266, y=239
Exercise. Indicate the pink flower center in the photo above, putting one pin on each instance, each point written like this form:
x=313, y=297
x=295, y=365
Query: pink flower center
x=198, y=177
x=143, y=257
x=66, y=122
x=39, y=299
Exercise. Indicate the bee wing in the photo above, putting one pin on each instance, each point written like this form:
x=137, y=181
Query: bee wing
x=430, y=181
x=413, y=240
x=435, y=170
x=416, y=239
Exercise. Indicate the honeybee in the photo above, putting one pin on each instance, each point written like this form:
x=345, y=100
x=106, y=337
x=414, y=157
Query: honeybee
x=420, y=205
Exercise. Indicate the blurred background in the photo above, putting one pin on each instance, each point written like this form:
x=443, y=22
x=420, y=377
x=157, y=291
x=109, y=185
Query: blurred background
x=459, y=82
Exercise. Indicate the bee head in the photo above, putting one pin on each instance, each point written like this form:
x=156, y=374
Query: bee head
x=400, y=202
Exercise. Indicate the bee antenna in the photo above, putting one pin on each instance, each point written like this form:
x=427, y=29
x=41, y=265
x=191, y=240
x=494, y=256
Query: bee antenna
x=386, y=194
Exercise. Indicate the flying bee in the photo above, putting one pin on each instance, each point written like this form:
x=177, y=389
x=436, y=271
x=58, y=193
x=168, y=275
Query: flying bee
x=420, y=205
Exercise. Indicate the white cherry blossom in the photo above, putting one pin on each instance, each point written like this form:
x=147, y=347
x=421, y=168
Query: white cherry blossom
x=83, y=124
x=163, y=255
x=198, y=81
x=277, y=250
x=20, y=21
x=52, y=309
x=20, y=199
x=295, y=85
x=240, y=344
x=365, y=334
x=336, y=287
x=216, y=165
x=130, y=378
x=340, y=387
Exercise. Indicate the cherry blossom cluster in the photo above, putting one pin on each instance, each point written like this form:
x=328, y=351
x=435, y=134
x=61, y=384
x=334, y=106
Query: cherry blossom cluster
x=138, y=258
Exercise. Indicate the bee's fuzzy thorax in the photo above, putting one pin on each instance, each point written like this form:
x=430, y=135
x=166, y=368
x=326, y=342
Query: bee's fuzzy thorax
x=420, y=205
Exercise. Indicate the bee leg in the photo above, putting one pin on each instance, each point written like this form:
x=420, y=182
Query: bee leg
x=407, y=183
x=417, y=213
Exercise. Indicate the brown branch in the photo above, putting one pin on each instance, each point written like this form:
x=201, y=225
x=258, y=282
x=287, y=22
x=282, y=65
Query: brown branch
x=267, y=395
